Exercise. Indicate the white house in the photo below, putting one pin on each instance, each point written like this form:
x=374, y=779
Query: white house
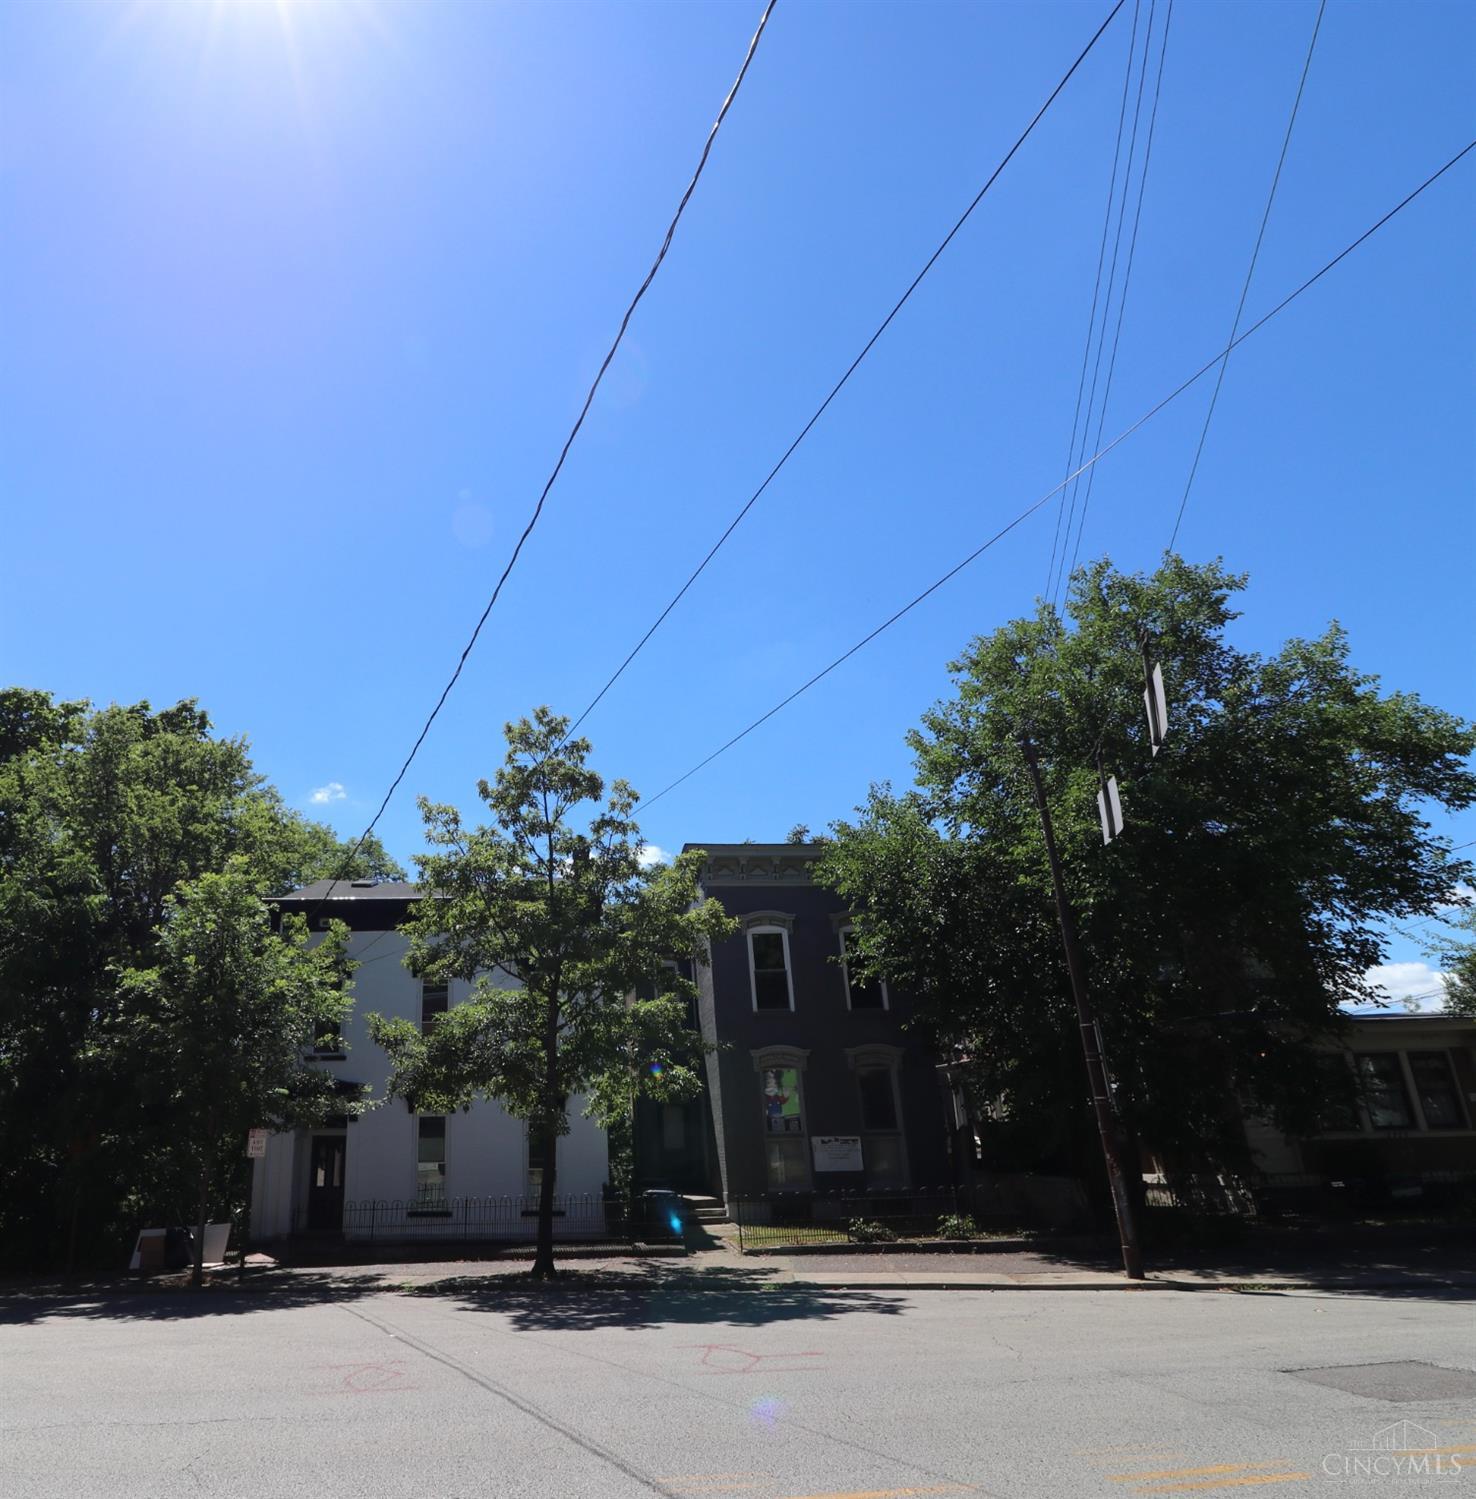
x=391, y=1172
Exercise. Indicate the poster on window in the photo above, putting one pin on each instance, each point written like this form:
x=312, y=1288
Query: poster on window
x=837, y=1152
x=782, y=1101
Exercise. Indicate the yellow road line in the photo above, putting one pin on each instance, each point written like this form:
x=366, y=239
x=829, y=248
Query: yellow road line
x=1223, y=1483
x=1275, y=1462
x=1127, y=1454
x=942, y=1488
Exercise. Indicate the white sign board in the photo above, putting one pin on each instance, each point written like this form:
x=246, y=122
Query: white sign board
x=1109, y=809
x=837, y=1152
x=1156, y=705
x=256, y=1144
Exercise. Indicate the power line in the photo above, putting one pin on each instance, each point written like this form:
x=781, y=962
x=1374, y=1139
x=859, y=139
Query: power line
x=568, y=441
x=1250, y=272
x=1111, y=285
x=1086, y=351
x=1128, y=272
x=840, y=384
x=1055, y=490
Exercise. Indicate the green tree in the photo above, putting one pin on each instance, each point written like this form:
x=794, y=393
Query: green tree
x=547, y=910
x=1266, y=843
x=214, y=1032
x=102, y=814
x=1459, y=961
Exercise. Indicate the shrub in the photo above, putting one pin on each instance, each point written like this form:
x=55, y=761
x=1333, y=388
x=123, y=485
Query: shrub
x=957, y=1226
x=864, y=1231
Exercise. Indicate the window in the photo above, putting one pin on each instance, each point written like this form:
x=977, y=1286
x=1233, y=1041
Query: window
x=1336, y=1098
x=881, y=1131
x=860, y=995
x=784, y=1128
x=768, y=953
x=435, y=1000
x=1384, y=1094
x=878, y=1101
x=673, y=1127
x=1435, y=1087
x=536, y=1161
x=328, y=1040
x=430, y=1162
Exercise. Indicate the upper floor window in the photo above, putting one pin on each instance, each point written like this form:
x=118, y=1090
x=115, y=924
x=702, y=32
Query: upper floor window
x=768, y=956
x=328, y=1040
x=435, y=1000
x=861, y=994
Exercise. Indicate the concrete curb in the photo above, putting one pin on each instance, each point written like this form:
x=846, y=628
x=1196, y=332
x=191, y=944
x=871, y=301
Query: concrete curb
x=1121, y=1283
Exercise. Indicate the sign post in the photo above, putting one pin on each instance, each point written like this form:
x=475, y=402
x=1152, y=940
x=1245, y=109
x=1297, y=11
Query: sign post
x=256, y=1149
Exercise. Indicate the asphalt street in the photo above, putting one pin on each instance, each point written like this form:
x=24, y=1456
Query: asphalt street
x=461, y=1391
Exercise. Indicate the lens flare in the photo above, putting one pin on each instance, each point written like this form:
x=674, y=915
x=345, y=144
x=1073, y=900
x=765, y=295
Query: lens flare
x=765, y=1411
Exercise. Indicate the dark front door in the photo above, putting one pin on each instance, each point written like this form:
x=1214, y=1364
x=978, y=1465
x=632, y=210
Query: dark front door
x=325, y=1183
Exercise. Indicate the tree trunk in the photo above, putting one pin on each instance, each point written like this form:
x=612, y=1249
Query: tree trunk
x=543, y=1258
x=197, y=1276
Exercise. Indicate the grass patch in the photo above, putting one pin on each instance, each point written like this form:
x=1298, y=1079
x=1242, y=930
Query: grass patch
x=778, y=1236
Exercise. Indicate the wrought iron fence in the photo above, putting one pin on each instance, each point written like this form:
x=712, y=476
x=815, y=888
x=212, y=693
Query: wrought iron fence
x=1315, y=1196
x=784, y=1219
x=979, y=1211
x=587, y=1220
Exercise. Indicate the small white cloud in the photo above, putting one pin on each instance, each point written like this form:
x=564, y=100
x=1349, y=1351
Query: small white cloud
x=1416, y=986
x=650, y=855
x=332, y=792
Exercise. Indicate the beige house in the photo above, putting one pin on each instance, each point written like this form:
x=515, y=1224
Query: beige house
x=1413, y=1107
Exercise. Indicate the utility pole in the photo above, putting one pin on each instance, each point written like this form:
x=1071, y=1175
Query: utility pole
x=1091, y=1036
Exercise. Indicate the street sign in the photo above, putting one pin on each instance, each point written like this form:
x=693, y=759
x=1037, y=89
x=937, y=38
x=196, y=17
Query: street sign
x=256, y=1144
x=1156, y=705
x=1109, y=809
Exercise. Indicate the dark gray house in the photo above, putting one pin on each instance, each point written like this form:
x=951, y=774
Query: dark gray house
x=815, y=1085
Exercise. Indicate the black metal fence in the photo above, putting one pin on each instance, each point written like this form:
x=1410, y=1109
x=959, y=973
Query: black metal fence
x=978, y=1211
x=588, y=1220
x=784, y=1219
x=1317, y=1197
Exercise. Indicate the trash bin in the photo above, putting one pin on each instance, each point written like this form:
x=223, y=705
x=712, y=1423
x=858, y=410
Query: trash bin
x=663, y=1216
x=179, y=1248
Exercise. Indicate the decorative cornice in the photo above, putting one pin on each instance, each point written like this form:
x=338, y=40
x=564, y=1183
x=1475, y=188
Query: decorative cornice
x=876, y=1054
x=751, y=919
x=758, y=865
x=765, y=1057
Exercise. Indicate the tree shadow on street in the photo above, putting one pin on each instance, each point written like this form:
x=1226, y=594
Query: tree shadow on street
x=168, y=1301
x=643, y=1296
x=653, y=1296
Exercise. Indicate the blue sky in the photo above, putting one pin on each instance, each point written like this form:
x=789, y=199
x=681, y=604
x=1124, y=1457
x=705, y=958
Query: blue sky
x=299, y=301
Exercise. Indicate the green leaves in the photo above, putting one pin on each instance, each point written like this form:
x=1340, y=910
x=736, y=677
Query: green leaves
x=104, y=815
x=1265, y=844
x=547, y=910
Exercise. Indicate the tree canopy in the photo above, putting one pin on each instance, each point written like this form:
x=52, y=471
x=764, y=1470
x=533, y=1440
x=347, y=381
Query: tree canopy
x=104, y=813
x=213, y=1034
x=1280, y=825
x=547, y=910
